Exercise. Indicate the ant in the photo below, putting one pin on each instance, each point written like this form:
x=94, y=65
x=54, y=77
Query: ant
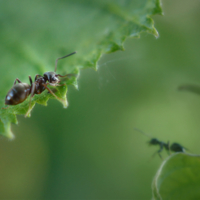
x=175, y=147
x=20, y=91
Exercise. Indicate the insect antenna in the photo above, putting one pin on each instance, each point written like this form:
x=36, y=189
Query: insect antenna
x=136, y=129
x=62, y=58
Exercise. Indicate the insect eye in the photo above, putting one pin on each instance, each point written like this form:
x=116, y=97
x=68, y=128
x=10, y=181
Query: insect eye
x=54, y=79
x=45, y=76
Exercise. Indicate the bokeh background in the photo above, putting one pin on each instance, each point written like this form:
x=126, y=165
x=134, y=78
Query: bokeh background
x=90, y=150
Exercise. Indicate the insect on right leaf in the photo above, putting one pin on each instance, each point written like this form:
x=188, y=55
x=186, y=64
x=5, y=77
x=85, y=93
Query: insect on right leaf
x=175, y=147
x=20, y=91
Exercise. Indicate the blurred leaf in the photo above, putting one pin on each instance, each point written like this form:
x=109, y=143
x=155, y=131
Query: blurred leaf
x=178, y=178
x=35, y=33
x=191, y=88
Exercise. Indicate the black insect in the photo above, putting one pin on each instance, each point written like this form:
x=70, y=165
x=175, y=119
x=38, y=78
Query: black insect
x=20, y=91
x=175, y=147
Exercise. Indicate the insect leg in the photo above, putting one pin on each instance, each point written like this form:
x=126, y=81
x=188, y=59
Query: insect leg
x=66, y=75
x=5, y=107
x=17, y=81
x=32, y=94
x=36, y=76
x=45, y=85
x=55, y=84
x=30, y=79
x=159, y=151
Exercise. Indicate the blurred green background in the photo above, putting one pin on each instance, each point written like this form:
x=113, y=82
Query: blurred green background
x=90, y=150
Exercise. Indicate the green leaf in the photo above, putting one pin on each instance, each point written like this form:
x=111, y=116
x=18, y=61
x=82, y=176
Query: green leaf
x=178, y=178
x=35, y=33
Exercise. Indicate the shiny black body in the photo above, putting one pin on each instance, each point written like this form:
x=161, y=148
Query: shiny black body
x=17, y=94
x=20, y=91
x=175, y=147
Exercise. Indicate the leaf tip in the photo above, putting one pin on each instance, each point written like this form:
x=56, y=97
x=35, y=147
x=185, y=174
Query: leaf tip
x=155, y=32
x=8, y=133
x=65, y=103
x=28, y=113
x=11, y=136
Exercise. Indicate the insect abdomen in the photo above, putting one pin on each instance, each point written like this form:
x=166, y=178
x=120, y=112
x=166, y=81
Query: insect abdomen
x=17, y=94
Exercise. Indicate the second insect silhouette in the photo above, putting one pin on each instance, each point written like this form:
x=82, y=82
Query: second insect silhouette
x=175, y=147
